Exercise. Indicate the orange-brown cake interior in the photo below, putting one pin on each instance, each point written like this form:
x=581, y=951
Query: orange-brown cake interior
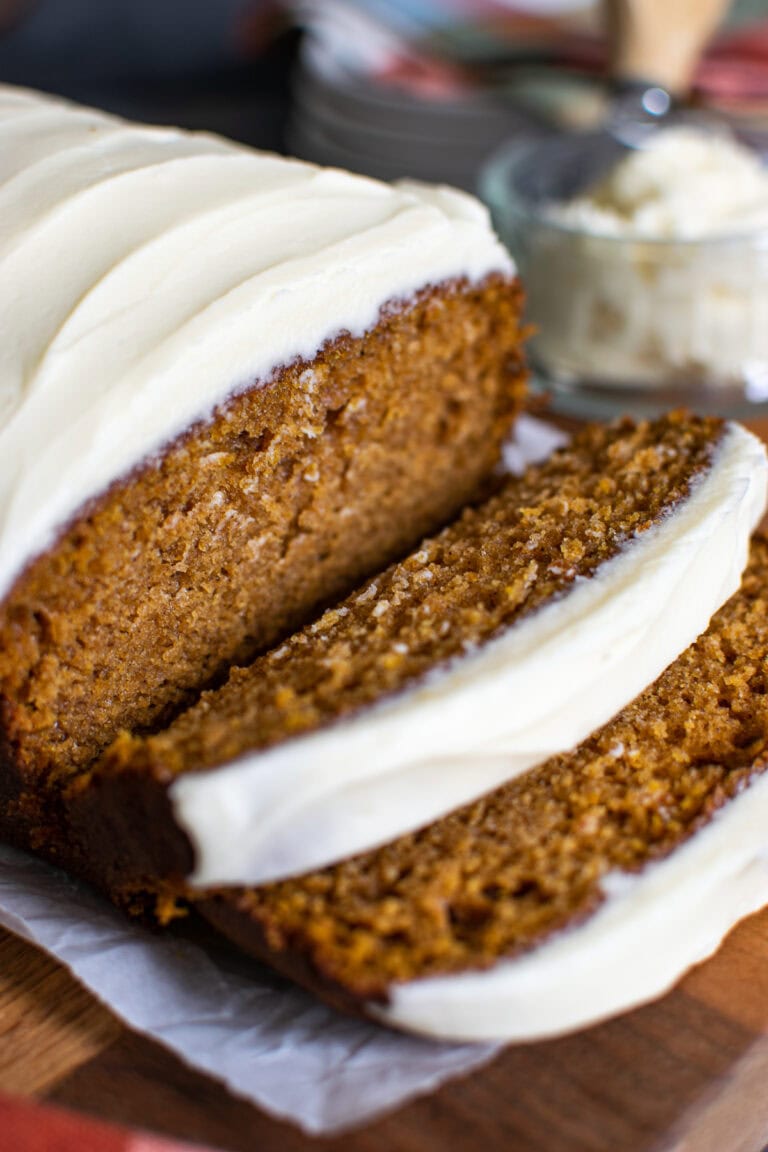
x=498, y=562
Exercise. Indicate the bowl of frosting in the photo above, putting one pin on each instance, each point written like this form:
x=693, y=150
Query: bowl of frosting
x=645, y=264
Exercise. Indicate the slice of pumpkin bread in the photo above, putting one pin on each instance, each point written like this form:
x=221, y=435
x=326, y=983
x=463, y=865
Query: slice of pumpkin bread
x=577, y=891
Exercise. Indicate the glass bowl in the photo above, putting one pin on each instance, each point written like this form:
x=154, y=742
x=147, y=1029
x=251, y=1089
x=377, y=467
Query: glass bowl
x=625, y=324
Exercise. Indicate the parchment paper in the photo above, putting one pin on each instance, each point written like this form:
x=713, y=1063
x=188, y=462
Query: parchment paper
x=226, y=1015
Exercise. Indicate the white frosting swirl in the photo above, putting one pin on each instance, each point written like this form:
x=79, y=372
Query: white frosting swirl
x=147, y=274
x=538, y=689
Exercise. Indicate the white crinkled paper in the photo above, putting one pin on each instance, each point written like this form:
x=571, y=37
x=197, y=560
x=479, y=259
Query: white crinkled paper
x=267, y=1040
x=533, y=440
x=227, y=1015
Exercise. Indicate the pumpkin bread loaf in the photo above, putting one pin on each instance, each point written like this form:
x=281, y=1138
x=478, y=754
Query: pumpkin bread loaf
x=244, y=384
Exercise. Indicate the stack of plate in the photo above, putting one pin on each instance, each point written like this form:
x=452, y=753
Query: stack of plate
x=349, y=120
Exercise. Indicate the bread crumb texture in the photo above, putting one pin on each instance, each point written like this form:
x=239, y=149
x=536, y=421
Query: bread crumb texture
x=496, y=564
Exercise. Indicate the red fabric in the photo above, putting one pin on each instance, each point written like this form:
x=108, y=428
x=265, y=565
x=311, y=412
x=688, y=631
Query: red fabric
x=30, y=1127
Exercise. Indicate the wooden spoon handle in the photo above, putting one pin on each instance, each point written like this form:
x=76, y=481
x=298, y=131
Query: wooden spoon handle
x=660, y=41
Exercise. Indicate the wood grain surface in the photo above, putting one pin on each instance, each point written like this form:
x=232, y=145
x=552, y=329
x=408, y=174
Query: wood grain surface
x=686, y=1074
x=689, y=1072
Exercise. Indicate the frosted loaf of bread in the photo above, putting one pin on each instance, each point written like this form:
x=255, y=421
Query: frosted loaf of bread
x=230, y=385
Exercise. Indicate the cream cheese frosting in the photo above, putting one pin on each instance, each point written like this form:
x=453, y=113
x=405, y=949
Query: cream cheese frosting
x=651, y=928
x=537, y=690
x=656, y=276
x=148, y=274
x=684, y=184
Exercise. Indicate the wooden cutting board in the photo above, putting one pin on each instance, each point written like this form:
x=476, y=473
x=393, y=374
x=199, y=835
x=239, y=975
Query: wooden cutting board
x=687, y=1074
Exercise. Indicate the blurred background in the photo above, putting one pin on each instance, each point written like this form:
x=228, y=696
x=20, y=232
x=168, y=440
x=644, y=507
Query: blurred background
x=424, y=88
